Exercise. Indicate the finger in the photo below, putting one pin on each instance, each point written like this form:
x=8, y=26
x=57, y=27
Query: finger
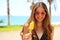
x=28, y=34
x=21, y=34
x=27, y=38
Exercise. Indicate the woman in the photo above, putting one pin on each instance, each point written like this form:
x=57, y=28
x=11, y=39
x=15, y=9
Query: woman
x=42, y=27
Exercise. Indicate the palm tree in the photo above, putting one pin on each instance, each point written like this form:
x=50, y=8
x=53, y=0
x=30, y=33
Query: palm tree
x=50, y=1
x=8, y=13
x=31, y=7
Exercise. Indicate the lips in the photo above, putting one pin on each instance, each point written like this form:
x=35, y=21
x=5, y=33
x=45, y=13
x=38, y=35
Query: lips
x=39, y=18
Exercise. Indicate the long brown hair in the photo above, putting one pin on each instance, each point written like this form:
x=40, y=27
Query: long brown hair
x=46, y=22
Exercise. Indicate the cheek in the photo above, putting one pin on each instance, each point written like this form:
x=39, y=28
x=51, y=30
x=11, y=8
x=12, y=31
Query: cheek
x=39, y=18
x=43, y=17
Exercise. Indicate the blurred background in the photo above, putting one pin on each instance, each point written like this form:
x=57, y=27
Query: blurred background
x=17, y=12
x=14, y=13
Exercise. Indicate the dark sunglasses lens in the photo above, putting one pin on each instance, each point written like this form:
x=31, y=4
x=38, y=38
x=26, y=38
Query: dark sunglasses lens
x=42, y=13
x=37, y=13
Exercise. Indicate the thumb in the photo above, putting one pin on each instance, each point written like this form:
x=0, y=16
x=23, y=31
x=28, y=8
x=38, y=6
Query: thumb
x=21, y=34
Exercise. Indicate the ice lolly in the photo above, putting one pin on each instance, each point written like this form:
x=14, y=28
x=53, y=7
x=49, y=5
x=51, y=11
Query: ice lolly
x=31, y=26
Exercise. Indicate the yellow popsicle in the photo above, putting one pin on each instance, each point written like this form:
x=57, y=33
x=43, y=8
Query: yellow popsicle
x=31, y=26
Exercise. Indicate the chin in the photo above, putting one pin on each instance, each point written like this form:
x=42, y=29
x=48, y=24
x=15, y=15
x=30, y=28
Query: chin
x=39, y=20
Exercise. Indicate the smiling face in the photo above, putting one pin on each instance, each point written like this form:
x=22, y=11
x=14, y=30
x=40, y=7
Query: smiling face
x=40, y=14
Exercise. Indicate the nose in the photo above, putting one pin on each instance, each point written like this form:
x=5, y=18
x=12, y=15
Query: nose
x=40, y=14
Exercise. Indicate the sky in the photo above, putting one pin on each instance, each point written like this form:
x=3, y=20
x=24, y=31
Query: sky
x=22, y=7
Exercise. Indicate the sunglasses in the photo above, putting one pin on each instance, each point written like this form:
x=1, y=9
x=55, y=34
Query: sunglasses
x=42, y=13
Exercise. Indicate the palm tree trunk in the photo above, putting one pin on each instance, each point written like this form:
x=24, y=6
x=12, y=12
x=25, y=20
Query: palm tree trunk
x=50, y=8
x=8, y=13
x=50, y=1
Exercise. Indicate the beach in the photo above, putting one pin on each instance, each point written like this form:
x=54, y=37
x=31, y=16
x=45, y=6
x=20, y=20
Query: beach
x=15, y=35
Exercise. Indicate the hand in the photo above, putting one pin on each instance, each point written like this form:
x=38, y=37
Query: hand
x=27, y=36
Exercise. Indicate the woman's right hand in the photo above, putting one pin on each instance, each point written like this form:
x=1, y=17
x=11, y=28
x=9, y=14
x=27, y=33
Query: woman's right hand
x=27, y=36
